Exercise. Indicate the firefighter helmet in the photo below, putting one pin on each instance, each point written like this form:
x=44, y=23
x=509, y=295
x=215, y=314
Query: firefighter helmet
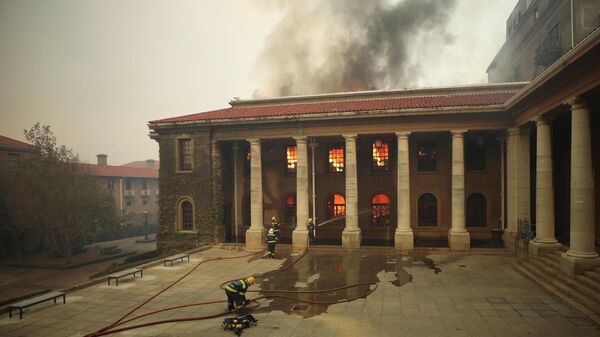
x=271, y=231
x=250, y=280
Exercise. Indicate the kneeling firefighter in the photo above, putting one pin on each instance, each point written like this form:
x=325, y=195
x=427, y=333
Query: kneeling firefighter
x=236, y=293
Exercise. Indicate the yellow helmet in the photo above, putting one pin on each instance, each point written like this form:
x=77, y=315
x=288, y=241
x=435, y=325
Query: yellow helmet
x=309, y=219
x=271, y=231
x=274, y=218
x=250, y=280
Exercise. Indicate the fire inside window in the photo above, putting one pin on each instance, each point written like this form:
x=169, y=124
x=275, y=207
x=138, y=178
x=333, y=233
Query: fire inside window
x=380, y=156
x=380, y=207
x=290, y=210
x=336, y=158
x=249, y=155
x=336, y=206
x=426, y=155
x=292, y=159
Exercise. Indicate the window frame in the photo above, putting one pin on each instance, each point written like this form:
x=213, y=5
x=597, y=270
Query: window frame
x=290, y=211
x=420, y=223
x=472, y=149
x=419, y=169
x=179, y=157
x=13, y=161
x=180, y=214
x=374, y=167
x=485, y=211
x=374, y=222
x=331, y=205
x=294, y=160
x=337, y=146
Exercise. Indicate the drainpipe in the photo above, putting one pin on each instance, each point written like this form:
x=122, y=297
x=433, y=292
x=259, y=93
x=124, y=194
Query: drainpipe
x=572, y=26
x=235, y=190
x=502, y=205
x=313, y=145
x=121, y=200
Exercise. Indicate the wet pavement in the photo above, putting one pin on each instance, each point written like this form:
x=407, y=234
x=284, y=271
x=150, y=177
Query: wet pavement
x=420, y=294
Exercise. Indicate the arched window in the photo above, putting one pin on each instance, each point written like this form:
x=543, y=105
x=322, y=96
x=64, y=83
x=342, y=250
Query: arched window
x=336, y=206
x=290, y=210
x=380, y=207
x=476, y=210
x=427, y=210
x=186, y=215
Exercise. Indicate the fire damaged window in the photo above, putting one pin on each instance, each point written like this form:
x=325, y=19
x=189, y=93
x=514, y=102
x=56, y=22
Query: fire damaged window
x=187, y=216
x=476, y=210
x=336, y=206
x=291, y=153
x=427, y=210
x=426, y=155
x=380, y=156
x=336, y=158
x=380, y=208
x=185, y=154
x=290, y=210
x=475, y=153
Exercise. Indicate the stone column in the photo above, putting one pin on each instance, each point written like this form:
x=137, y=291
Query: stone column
x=581, y=254
x=544, y=193
x=404, y=238
x=458, y=236
x=255, y=234
x=300, y=234
x=517, y=182
x=217, y=225
x=351, y=235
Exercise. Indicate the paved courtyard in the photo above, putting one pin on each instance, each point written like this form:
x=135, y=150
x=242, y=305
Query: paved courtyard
x=421, y=294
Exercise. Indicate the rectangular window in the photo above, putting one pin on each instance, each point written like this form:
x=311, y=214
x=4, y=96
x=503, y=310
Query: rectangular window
x=111, y=184
x=185, y=154
x=144, y=185
x=291, y=153
x=475, y=153
x=13, y=161
x=128, y=184
x=336, y=158
x=145, y=202
x=128, y=202
x=427, y=155
x=380, y=161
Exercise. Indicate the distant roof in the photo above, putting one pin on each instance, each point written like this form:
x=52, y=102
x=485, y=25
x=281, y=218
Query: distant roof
x=119, y=171
x=406, y=99
x=6, y=142
x=142, y=164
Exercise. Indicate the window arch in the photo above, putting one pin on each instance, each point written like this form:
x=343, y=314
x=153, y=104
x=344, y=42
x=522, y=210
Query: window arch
x=380, y=210
x=290, y=210
x=336, y=206
x=476, y=210
x=427, y=210
x=185, y=215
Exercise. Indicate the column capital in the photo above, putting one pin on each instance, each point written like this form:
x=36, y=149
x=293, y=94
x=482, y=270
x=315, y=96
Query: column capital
x=300, y=139
x=253, y=140
x=577, y=102
x=540, y=120
x=350, y=136
x=402, y=134
x=511, y=132
x=458, y=133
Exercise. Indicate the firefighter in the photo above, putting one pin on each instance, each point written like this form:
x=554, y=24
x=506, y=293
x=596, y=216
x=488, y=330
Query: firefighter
x=236, y=293
x=275, y=226
x=271, y=240
x=311, y=231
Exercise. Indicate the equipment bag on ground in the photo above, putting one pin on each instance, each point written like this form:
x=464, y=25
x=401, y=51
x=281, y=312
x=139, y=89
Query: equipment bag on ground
x=238, y=323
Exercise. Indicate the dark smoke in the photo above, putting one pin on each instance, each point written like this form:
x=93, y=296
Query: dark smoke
x=323, y=46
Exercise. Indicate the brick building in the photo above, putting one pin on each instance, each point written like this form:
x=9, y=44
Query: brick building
x=12, y=153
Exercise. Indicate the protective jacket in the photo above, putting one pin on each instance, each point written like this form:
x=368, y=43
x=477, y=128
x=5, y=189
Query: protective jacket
x=239, y=286
x=271, y=238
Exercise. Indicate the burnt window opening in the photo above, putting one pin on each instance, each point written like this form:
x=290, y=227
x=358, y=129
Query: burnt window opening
x=336, y=158
x=380, y=209
x=185, y=154
x=476, y=210
x=290, y=210
x=427, y=155
x=475, y=159
x=428, y=210
x=336, y=206
x=291, y=153
x=380, y=161
x=187, y=216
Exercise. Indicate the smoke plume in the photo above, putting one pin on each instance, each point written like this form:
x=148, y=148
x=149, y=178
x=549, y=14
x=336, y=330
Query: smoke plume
x=323, y=46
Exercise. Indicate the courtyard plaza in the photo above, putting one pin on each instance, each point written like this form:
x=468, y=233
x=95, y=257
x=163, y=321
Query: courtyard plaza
x=423, y=293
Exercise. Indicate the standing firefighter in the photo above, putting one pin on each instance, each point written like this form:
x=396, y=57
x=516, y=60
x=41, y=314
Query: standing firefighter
x=275, y=225
x=236, y=293
x=271, y=240
x=311, y=231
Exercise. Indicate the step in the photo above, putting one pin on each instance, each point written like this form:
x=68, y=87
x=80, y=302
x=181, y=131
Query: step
x=592, y=274
x=550, y=262
x=589, y=282
x=553, y=257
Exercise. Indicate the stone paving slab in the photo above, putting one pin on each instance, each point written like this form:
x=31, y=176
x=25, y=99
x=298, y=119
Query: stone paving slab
x=460, y=295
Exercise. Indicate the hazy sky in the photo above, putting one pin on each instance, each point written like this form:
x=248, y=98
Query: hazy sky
x=98, y=71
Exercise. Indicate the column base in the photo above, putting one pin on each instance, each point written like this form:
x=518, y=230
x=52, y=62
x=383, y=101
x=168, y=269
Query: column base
x=576, y=265
x=404, y=240
x=537, y=249
x=459, y=240
x=255, y=239
x=299, y=240
x=509, y=238
x=351, y=240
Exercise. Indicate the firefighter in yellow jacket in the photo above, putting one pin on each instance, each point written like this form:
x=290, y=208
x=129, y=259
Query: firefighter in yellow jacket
x=236, y=293
x=271, y=241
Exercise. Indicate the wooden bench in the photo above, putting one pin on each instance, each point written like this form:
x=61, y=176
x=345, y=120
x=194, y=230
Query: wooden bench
x=117, y=276
x=110, y=250
x=175, y=258
x=35, y=300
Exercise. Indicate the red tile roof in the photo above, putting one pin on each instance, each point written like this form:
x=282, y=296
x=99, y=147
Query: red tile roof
x=119, y=171
x=13, y=143
x=142, y=164
x=396, y=103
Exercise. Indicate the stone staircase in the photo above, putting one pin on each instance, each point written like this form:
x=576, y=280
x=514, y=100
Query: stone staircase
x=581, y=292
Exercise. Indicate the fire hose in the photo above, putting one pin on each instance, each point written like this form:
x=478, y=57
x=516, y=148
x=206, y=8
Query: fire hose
x=114, y=327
